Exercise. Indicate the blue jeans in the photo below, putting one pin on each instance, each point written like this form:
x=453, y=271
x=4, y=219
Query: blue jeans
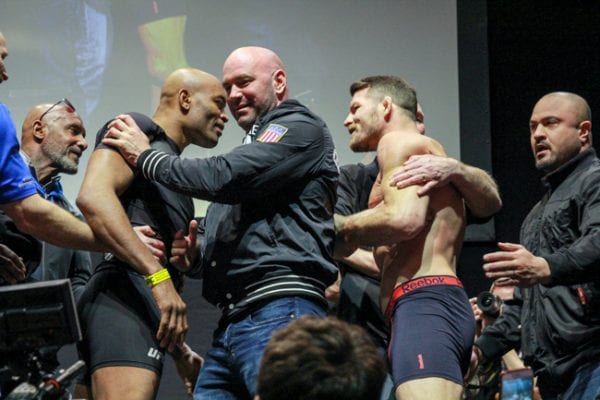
x=586, y=385
x=231, y=364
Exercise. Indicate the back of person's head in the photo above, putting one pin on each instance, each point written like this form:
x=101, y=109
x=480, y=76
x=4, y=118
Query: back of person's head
x=400, y=91
x=321, y=359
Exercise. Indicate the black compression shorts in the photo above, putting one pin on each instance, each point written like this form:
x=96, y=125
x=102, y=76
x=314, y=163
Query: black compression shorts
x=119, y=321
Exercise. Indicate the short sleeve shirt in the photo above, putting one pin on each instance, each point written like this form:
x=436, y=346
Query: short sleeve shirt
x=16, y=182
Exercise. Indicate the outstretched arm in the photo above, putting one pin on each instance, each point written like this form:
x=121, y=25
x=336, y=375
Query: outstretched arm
x=106, y=177
x=43, y=220
x=245, y=173
x=514, y=261
x=476, y=186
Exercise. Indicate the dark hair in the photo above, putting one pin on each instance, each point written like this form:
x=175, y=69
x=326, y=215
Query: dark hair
x=401, y=92
x=321, y=359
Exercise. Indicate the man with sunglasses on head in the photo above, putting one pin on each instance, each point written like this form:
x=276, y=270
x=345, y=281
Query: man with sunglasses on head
x=25, y=211
x=52, y=142
x=20, y=200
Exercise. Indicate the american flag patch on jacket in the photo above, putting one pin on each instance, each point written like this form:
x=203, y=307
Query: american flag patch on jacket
x=272, y=134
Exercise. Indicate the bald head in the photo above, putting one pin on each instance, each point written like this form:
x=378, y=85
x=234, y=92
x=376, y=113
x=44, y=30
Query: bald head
x=577, y=104
x=191, y=108
x=257, y=57
x=255, y=81
x=190, y=79
x=27, y=128
x=3, y=55
x=53, y=137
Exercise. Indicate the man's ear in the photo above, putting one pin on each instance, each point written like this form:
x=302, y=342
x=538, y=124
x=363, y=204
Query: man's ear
x=39, y=134
x=185, y=100
x=279, y=82
x=585, y=132
x=387, y=105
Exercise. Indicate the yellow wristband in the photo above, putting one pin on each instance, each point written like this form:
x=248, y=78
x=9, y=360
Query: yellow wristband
x=157, y=277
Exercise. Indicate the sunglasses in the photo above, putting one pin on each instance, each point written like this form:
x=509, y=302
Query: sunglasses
x=68, y=107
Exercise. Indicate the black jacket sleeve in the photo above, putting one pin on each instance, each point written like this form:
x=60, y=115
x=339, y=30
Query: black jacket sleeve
x=248, y=172
x=580, y=261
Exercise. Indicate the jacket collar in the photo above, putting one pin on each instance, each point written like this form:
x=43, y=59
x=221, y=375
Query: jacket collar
x=580, y=162
x=285, y=107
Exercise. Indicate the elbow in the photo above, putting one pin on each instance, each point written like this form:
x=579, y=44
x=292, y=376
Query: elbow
x=24, y=223
x=84, y=202
x=88, y=205
x=406, y=227
x=494, y=206
x=498, y=205
x=488, y=210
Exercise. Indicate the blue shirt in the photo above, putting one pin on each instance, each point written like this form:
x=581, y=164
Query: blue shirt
x=16, y=182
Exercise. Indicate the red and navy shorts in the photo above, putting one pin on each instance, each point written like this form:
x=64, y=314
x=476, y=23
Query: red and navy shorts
x=433, y=329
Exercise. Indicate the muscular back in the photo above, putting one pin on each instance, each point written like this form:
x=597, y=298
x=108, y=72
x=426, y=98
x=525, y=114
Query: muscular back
x=434, y=245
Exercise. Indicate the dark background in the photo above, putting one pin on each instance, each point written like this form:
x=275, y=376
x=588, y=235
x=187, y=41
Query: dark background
x=528, y=49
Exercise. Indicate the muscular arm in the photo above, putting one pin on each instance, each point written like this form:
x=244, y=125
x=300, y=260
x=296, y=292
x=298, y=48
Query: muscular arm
x=402, y=213
x=106, y=177
x=48, y=222
x=478, y=189
x=476, y=186
x=247, y=172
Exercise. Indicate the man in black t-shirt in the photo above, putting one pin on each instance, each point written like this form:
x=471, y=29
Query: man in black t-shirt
x=124, y=340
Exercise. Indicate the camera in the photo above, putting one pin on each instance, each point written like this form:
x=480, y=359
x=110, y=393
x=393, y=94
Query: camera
x=36, y=319
x=489, y=304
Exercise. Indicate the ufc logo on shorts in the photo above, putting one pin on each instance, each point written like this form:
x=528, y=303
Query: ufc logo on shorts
x=154, y=353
